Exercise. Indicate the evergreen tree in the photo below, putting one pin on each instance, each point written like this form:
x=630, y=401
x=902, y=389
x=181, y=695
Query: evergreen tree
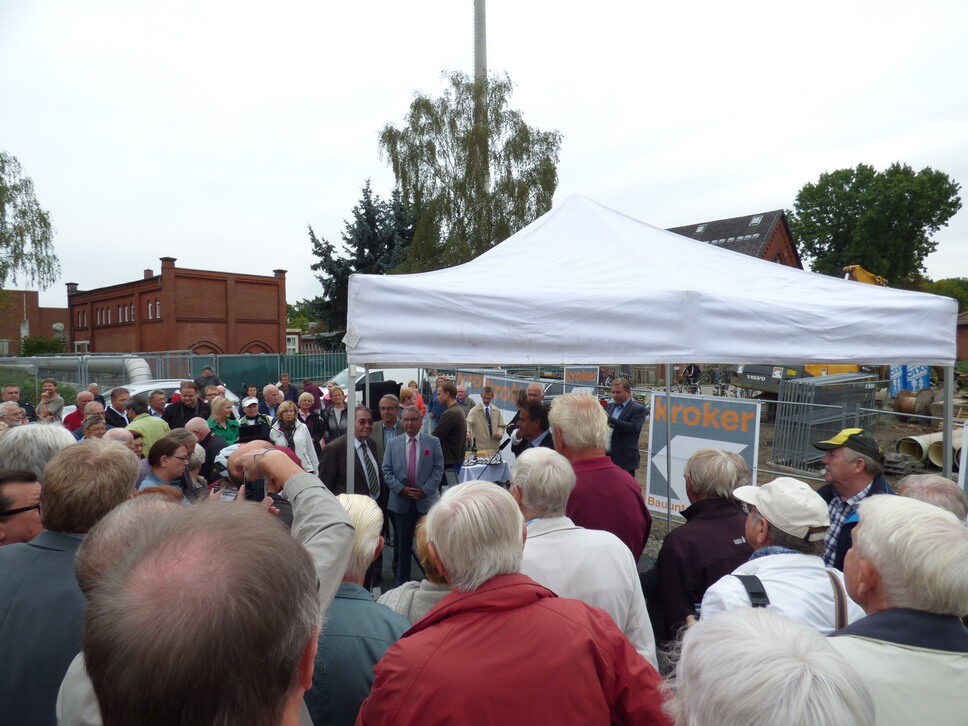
x=374, y=242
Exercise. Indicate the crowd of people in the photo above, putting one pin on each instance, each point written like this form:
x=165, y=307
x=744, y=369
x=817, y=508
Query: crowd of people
x=198, y=563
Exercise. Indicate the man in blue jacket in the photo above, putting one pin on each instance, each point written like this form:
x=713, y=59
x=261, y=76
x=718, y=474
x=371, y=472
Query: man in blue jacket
x=626, y=416
x=854, y=466
x=412, y=466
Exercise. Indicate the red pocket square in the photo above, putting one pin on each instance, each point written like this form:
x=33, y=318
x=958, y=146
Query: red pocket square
x=426, y=452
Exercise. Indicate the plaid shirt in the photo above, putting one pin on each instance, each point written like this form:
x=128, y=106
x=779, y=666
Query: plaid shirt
x=839, y=509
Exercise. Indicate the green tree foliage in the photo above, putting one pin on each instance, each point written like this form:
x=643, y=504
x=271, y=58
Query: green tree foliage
x=26, y=233
x=882, y=221
x=374, y=242
x=955, y=287
x=471, y=169
x=41, y=345
x=300, y=315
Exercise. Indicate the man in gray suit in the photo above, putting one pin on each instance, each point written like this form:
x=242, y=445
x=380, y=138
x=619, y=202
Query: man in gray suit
x=41, y=604
x=412, y=467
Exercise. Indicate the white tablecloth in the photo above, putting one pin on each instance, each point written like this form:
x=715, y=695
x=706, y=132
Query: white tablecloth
x=499, y=471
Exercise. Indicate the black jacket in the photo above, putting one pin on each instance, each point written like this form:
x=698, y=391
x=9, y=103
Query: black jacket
x=177, y=414
x=626, y=429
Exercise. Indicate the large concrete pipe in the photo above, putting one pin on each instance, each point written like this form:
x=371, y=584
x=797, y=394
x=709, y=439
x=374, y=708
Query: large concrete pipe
x=936, y=448
x=917, y=446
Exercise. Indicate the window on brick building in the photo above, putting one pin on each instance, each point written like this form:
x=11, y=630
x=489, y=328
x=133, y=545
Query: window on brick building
x=157, y=308
x=756, y=220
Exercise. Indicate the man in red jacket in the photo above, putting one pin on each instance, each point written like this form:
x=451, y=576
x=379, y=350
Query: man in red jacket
x=501, y=648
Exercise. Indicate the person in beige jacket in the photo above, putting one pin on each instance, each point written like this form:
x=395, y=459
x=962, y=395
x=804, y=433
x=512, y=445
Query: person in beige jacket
x=485, y=425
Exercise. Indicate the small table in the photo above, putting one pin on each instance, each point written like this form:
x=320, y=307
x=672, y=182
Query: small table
x=498, y=471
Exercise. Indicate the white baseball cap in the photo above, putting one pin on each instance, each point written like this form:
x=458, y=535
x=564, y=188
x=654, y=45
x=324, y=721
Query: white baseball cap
x=249, y=401
x=789, y=505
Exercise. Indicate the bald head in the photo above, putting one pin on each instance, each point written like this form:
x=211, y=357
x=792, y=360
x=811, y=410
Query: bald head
x=198, y=426
x=84, y=397
x=122, y=436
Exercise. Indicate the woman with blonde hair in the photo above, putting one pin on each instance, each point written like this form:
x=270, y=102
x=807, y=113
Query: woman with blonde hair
x=336, y=416
x=222, y=422
x=287, y=430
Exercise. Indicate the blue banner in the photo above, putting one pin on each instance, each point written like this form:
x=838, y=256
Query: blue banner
x=911, y=378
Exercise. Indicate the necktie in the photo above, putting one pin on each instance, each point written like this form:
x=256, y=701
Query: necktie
x=372, y=479
x=412, y=463
x=487, y=415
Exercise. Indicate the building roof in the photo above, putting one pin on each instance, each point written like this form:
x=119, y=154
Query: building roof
x=748, y=234
x=963, y=319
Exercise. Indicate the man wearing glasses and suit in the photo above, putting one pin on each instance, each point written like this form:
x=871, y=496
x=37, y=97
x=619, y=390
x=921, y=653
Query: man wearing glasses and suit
x=412, y=466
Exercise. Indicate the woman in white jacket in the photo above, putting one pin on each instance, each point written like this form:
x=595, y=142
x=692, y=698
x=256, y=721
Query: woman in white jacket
x=288, y=430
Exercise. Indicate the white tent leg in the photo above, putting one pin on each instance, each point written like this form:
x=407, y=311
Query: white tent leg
x=668, y=402
x=350, y=429
x=949, y=405
x=366, y=376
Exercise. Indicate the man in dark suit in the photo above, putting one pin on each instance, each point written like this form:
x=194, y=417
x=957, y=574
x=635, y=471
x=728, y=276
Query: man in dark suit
x=41, y=602
x=189, y=406
x=532, y=429
x=367, y=475
x=626, y=417
x=116, y=415
x=412, y=468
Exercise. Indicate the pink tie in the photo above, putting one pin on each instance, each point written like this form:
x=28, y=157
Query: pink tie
x=412, y=463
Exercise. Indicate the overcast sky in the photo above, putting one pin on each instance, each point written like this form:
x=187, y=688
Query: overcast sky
x=215, y=132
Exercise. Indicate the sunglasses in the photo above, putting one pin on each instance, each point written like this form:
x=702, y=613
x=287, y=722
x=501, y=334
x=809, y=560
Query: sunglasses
x=11, y=512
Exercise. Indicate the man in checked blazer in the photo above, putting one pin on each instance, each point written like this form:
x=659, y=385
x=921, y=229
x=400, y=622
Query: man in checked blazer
x=412, y=467
x=626, y=417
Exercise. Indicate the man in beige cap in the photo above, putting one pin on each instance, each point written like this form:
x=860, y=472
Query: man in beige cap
x=786, y=523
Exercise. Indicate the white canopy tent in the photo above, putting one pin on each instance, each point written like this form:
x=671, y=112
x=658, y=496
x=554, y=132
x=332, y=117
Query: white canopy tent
x=585, y=284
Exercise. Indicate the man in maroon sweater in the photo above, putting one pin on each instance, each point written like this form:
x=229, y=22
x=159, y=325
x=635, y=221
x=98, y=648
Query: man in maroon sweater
x=605, y=497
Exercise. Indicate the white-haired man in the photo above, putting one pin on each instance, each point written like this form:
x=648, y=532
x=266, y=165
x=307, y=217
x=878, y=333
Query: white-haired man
x=712, y=543
x=605, y=496
x=785, y=526
x=357, y=631
x=908, y=569
x=854, y=464
x=72, y=421
x=752, y=667
x=501, y=648
x=587, y=564
x=937, y=490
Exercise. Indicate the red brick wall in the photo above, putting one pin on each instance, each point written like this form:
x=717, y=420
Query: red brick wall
x=963, y=342
x=201, y=310
x=39, y=319
x=780, y=248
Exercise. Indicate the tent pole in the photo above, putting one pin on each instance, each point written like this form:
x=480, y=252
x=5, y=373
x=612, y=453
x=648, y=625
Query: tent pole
x=366, y=375
x=668, y=402
x=949, y=405
x=351, y=430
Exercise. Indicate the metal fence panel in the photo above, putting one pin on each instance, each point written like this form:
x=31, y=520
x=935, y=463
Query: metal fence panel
x=815, y=409
x=320, y=367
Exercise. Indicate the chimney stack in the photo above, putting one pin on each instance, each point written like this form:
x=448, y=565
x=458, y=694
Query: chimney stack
x=279, y=273
x=71, y=288
x=149, y=273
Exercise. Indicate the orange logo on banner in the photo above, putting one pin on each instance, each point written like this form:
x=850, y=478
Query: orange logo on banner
x=708, y=416
x=581, y=375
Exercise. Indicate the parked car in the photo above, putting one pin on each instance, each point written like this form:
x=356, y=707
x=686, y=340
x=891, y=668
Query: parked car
x=169, y=386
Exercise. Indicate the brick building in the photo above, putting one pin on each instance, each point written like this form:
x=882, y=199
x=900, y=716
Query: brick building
x=21, y=316
x=765, y=235
x=180, y=309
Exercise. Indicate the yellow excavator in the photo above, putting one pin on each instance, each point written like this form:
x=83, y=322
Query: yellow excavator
x=767, y=378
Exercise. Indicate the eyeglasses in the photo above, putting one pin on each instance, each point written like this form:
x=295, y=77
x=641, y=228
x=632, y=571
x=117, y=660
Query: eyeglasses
x=11, y=512
x=186, y=459
x=747, y=507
